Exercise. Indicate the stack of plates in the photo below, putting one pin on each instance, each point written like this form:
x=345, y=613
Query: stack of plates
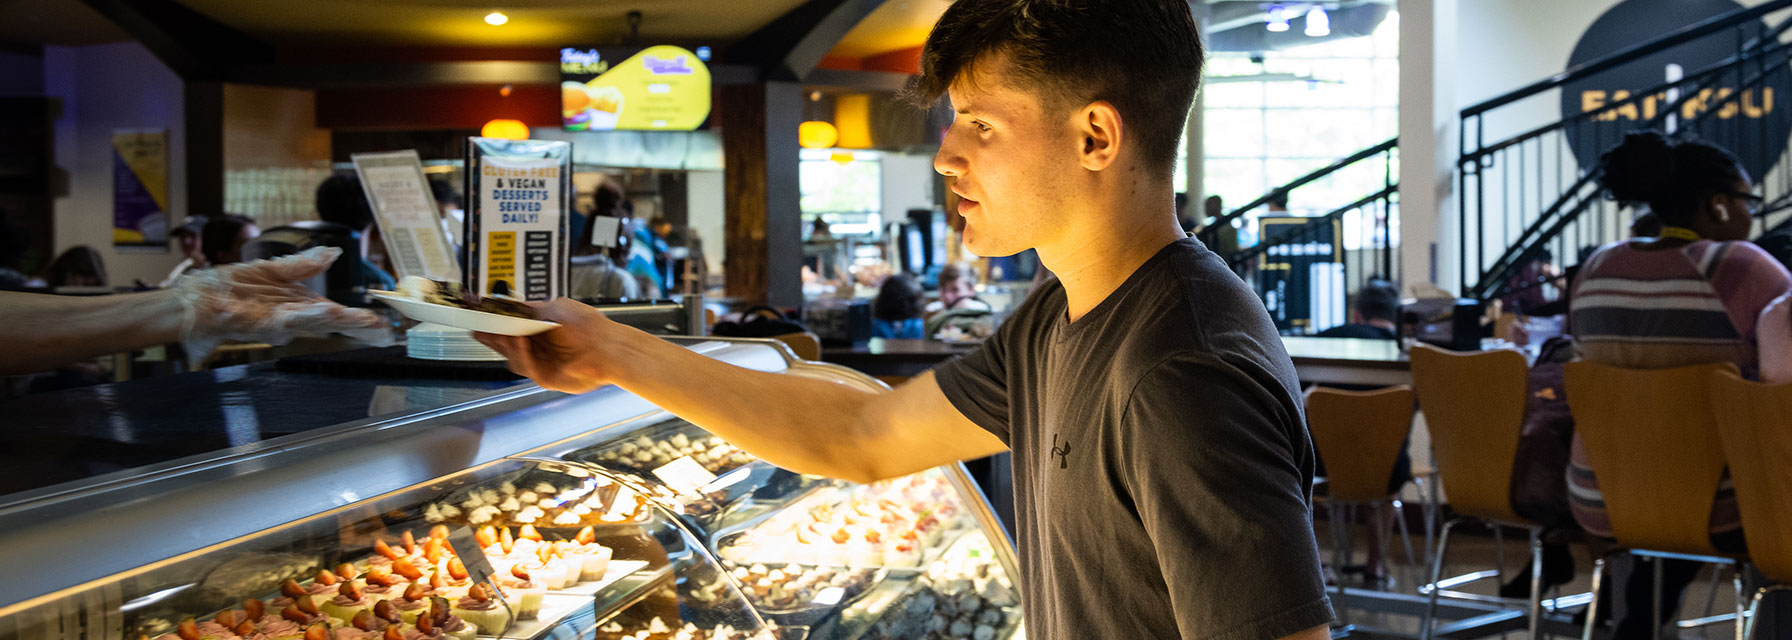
x=429, y=341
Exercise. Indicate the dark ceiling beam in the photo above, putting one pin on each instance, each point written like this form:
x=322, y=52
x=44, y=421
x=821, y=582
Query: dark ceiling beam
x=192, y=44
x=790, y=47
x=844, y=80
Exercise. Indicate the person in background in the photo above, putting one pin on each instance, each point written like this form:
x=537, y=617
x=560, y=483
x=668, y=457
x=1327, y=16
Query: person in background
x=958, y=289
x=896, y=313
x=1618, y=315
x=188, y=239
x=1375, y=315
x=1525, y=294
x=594, y=273
x=222, y=239
x=452, y=210
x=1278, y=202
x=79, y=266
x=341, y=200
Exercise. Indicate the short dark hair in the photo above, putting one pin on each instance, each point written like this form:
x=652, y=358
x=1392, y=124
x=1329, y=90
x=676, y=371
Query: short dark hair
x=340, y=200
x=1672, y=176
x=1278, y=199
x=1143, y=56
x=1378, y=302
x=221, y=234
x=899, y=298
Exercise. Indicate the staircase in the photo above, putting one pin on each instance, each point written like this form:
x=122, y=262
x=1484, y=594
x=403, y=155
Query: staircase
x=1305, y=267
x=1529, y=190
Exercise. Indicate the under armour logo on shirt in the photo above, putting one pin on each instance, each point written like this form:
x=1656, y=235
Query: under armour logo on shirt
x=1063, y=452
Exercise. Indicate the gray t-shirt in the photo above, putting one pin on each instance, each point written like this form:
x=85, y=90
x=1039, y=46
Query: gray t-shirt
x=1162, y=467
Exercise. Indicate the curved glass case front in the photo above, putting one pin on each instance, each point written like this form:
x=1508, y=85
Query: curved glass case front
x=650, y=528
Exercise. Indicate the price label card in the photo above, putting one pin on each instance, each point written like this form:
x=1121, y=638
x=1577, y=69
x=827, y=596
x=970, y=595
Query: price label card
x=684, y=475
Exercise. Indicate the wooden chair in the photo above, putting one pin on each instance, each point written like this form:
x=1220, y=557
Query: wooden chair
x=1652, y=439
x=806, y=345
x=1474, y=407
x=1752, y=420
x=1359, y=435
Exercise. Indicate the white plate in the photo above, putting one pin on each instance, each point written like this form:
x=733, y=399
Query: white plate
x=463, y=318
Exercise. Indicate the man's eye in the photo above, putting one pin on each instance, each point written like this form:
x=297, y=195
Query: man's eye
x=980, y=126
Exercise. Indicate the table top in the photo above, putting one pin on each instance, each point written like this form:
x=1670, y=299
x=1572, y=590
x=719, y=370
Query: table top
x=1360, y=352
x=893, y=347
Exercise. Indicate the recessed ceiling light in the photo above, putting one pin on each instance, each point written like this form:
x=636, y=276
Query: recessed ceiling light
x=494, y=18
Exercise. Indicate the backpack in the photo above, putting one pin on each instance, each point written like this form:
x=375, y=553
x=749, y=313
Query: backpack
x=1539, y=490
x=763, y=321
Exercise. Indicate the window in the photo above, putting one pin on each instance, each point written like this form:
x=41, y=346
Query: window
x=1314, y=105
x=843, y=188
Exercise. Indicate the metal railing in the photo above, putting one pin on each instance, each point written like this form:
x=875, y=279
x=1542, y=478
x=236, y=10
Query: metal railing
x=1304, y=268
x=1528, y=196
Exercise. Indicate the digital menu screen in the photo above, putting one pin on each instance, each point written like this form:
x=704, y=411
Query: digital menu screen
x=659, y=88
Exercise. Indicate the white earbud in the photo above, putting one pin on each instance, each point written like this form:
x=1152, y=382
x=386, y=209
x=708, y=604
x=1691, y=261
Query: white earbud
x=1723, y=213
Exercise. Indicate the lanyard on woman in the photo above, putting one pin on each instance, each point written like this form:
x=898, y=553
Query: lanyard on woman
x=1679, y=233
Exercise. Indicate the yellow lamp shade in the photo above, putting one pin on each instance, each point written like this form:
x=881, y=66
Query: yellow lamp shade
x=852, y=116
x=506, y=129
x=816, y=134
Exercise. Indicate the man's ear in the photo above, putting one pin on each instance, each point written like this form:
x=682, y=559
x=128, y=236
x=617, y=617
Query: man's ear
x=1102, y=135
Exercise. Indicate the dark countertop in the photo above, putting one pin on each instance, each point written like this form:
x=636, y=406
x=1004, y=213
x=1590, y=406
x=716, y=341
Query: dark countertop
x=63, y=436
x=895, y=358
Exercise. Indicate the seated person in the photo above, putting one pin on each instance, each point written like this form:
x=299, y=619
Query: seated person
x=897, y=311
x=341, y=200
x=1374, y=315
x=593, y=273
x=958, y=289
x=79, y=266
x=221, y=240
x=1620, y=313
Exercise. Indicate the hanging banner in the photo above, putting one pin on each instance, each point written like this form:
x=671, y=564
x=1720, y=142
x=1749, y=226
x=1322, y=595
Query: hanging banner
x=1741, y=109
x=520, y=193
x=409, y=221
x=140, y=188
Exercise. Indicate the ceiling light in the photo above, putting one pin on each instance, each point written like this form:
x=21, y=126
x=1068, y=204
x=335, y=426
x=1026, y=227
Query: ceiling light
x=1278, y=19
x=494, y=18
x=1318, y=24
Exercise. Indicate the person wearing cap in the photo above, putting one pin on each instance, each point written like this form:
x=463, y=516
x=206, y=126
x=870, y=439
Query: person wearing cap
x=187, y=236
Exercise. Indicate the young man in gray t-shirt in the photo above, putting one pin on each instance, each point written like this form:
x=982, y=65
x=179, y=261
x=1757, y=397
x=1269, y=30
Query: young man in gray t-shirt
x=1162, y=463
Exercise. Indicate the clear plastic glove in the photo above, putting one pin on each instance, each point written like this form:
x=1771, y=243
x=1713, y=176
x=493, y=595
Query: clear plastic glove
x=265, y=301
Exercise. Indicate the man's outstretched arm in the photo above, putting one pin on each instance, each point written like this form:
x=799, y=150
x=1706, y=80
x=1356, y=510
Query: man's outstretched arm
x=806, y=425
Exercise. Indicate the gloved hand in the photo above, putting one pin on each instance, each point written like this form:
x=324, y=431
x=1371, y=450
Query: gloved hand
x=264, y=301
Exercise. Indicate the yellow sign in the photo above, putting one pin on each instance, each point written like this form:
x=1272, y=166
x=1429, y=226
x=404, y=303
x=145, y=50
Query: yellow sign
x=660, y=88
x=500, y=262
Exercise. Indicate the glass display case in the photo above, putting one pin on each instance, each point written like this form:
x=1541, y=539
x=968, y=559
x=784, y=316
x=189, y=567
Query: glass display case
x=520, y=514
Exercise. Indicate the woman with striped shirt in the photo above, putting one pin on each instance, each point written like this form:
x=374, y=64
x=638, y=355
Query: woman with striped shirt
x=1688, y=296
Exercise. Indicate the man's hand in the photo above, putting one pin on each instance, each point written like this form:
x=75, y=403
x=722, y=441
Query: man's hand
x=571, y=358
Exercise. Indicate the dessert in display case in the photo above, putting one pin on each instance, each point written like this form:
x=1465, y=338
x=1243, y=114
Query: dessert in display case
x=523, y=514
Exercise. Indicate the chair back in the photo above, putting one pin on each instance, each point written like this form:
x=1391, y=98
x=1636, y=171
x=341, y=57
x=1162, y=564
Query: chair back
x=1359, y=435
x=1754, y=427
x=805, y=344
x=1474, y=409
x=1653, y=443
